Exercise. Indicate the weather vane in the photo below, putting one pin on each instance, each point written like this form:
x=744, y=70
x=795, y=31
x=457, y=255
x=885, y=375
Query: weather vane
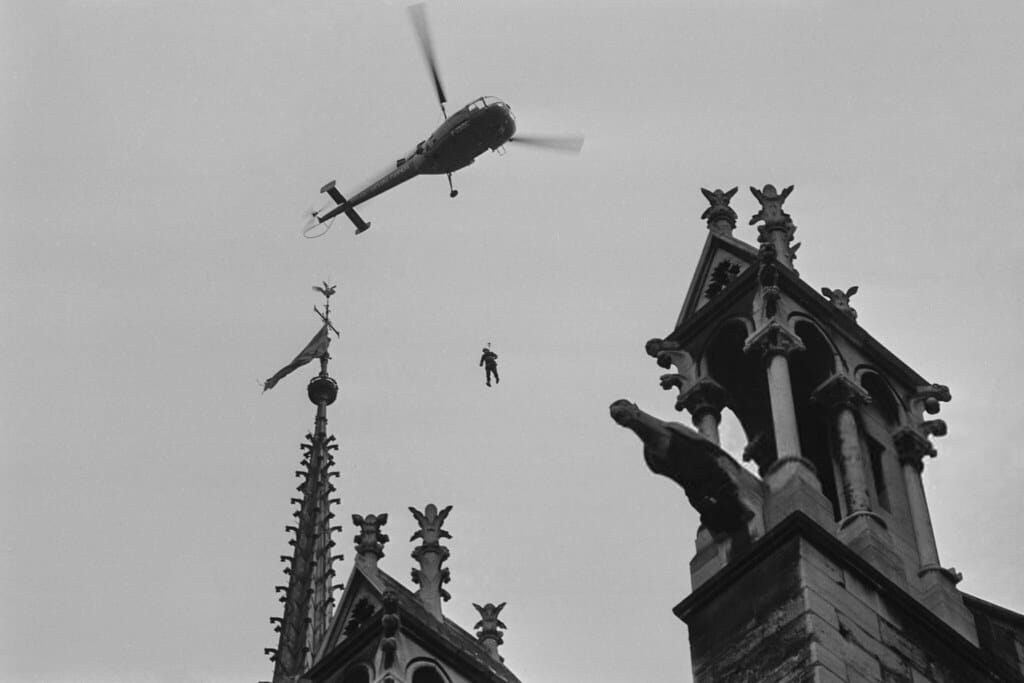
x=328, y=291
x=317, y=346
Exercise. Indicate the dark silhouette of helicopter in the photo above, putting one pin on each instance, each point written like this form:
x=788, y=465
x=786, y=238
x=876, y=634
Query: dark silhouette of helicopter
x=484, y=124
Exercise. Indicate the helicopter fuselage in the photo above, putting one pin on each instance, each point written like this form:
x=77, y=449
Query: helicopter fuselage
x=485, y=123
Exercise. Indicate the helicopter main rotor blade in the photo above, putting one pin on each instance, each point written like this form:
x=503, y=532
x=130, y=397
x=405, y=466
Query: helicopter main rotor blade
x=419, y=22
x=571, y=144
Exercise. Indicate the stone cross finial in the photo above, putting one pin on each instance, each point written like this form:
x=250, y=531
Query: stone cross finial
x=487, y=628
x=430, y=554
x=841, y=300
x=720, y=216
x=370, y=540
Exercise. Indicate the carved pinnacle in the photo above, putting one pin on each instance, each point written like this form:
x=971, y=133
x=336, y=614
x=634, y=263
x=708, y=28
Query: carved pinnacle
x=720, y=216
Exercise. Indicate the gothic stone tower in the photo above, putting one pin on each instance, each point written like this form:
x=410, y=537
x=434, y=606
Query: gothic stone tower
x=823, y=567
x=381, y=632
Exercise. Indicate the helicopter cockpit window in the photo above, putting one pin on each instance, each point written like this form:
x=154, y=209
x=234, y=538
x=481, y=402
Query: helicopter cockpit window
x=484, y=102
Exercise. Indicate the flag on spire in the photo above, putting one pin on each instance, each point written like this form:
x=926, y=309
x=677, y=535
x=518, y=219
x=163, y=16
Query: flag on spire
x=316, y=348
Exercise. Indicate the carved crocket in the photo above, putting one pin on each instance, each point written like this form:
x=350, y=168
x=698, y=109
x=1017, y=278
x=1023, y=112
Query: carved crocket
x=687, y=458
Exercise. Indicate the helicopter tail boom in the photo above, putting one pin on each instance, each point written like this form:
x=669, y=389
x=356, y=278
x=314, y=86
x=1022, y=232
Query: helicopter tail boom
x=342, y=207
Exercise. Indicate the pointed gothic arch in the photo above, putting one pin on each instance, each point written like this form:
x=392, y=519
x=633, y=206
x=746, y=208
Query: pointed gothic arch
x=819, y=344
x=425, y=670
x=809, y=369
x=741, y=374
x=883, y=414
x=358, y=673
x=883, y=397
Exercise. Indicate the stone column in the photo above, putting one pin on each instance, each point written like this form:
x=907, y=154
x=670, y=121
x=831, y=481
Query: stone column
x=841, y=395
x=787, y=439
x=775, y=343
x=705, y=400
x=936, y=585
x=912, y=448
x=913, y=445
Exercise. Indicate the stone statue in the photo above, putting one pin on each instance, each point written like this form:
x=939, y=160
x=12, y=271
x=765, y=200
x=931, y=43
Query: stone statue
x=841, y=300
x=370, y=538
x=720, y=216
x=430, y=521
x=693, y=462
x=771, y=208
x=489, y=621
x=766, y=306
x=488, y=632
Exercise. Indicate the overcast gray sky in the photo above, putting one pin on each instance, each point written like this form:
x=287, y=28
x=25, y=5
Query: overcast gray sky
x=158, y=157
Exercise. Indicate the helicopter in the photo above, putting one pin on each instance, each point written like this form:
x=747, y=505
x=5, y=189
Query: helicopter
x=484, y=124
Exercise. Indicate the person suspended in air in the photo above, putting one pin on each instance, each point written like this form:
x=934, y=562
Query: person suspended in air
x=489, y=361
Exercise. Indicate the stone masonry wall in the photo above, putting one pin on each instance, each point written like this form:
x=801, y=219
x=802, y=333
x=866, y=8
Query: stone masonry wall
x=802, y=611
x=755, y=630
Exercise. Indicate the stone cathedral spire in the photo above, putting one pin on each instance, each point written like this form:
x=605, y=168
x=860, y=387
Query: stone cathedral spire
x=308, y=595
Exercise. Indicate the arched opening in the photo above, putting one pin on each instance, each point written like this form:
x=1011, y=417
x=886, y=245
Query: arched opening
x=731, y=436
x=808, y=369
x=742, y=375
x=427, y=674
x=882, y=398
x=357, y=674
x=880, y=417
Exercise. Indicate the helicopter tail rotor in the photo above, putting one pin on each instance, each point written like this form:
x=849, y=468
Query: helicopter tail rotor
x=418, y=13
x=313, y=227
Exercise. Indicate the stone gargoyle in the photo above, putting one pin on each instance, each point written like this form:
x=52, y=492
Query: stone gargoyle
x=841, y=300
x=703, y=469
